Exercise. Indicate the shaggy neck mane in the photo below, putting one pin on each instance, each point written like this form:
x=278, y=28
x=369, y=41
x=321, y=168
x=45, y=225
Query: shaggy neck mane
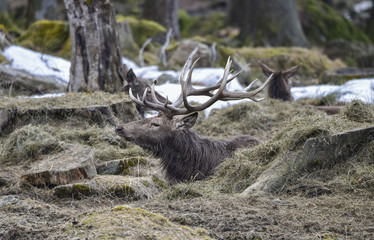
x=186, y=156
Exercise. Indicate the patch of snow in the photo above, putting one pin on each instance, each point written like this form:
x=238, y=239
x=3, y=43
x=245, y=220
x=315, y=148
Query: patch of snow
x=129, y=63
x=37, y=63
x=45, y=65
x=362, y=6
x=48, y=95
x=357, y=89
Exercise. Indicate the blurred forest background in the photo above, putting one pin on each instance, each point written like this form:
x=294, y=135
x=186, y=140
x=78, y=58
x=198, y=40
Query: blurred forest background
x=343, y=30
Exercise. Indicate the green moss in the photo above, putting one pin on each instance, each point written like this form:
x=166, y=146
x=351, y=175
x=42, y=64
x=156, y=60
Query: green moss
x=203, y=25
x=159, y=183
x=313, y=62
x=76, y=191
x=3, y=28
x=129, y=223
x=142, y=29
x=3, y=59
x=9, y=24
x=45, y=36
x=65, y=51
x=321, y=23
x=186, y=23
x=123, y=191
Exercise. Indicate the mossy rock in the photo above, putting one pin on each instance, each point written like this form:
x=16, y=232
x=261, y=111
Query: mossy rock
x=321, y=23
x=65, y=51
x=342, y=75
x=3, y=59
x=8, y=23
x=130, y=188
x=45, y=36
x=124, y=222
x=313, y=62
x=3, y=28
x=142, y=29
x=120, y=167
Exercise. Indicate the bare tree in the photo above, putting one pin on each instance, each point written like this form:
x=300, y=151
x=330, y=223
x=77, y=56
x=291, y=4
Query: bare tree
x=270, y=22
x=95, y=49
x=164, y=12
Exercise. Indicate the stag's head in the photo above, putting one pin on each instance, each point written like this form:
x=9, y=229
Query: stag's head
x=280, y=85
x=150, y=133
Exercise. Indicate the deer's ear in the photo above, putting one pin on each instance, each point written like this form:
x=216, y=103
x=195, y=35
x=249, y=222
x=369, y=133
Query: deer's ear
x=185, y=121
x=131, y=77
x=266, y=70
x=291, y=71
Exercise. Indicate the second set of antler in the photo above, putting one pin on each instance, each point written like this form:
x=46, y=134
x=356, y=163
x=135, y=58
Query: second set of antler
x=184, y=155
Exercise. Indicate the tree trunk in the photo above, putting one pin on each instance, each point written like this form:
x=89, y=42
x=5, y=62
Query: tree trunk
x=164, y=12
x=4, y=6
x=271, y=22
x=370, y=24
x=95, y=50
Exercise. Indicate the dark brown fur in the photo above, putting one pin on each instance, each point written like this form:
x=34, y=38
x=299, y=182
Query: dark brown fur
x=280, y=85
x=184, y=155
x=138, y=87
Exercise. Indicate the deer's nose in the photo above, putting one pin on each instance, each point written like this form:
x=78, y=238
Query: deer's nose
x=119, y=129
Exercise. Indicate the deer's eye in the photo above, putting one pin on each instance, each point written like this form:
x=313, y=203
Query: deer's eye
x=155, y=124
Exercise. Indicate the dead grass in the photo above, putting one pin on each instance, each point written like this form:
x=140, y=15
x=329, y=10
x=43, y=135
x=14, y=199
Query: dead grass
x=69, y=100
x=345, y=213
x=237, y=173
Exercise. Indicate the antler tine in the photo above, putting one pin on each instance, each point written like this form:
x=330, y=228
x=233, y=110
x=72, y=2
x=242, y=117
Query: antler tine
x=136, y=100
x=154, y=97
x=188, y=90
x=245, y=94
x=250, y=85
x=216, y=96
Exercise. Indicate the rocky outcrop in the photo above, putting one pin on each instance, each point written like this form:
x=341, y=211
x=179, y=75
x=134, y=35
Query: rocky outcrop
x=19, y=82
x=127, y=187
x=71, y=165
x=179, y=56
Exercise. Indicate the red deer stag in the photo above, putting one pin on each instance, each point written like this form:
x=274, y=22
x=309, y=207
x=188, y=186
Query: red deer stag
x=184, y=155
x=280, y=85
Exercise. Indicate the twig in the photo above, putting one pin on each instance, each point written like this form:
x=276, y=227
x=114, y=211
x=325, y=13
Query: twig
x=145, y=44
x=162, y=57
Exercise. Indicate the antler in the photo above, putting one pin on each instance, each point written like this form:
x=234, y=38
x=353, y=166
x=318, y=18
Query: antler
x=188, y=90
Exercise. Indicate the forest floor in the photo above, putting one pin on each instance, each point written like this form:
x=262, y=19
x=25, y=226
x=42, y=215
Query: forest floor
x=329, y=203
x=37, y=214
